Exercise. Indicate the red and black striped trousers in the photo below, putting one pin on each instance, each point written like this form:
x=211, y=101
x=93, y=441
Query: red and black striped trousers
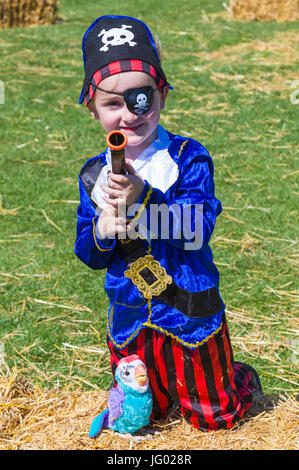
x=211, y=390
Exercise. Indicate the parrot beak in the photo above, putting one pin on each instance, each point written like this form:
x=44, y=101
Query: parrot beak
x=141, y=375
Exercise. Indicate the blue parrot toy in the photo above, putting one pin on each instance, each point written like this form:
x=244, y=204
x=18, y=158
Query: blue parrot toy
x=130, y=403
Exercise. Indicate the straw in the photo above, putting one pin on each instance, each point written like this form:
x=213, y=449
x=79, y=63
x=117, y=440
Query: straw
x=27, y=12
x=264, y=10
x=34, y=418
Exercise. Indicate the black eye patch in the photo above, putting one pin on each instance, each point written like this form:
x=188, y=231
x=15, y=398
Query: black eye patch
x=138, y=100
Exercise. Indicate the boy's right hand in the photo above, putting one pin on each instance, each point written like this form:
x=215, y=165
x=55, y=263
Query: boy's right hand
x=110, y=224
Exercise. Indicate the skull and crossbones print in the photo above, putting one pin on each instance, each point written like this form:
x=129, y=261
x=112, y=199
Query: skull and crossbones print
x=142, y=104
x=116, y=37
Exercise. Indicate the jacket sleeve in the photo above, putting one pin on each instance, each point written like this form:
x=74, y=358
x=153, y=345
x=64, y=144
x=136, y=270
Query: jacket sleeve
x=89, y=248
x=187, y=215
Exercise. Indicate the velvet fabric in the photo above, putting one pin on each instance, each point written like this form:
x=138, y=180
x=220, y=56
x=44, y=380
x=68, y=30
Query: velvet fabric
x=183, y=177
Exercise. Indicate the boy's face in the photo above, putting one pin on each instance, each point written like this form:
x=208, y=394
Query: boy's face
x=113, y=113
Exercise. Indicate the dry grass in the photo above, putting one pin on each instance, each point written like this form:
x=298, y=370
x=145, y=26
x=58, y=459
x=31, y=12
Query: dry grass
x=280, y=52
x=283, y=48
x=4, y=211
x=265, y=10
x=31, y=418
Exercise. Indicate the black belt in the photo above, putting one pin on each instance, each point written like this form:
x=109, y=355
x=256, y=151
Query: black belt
x=154, y=283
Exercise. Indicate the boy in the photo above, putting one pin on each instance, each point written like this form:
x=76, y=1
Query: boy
x=165, y=304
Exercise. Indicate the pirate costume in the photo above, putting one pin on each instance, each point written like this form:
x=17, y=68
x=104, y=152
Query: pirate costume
x=165, y=303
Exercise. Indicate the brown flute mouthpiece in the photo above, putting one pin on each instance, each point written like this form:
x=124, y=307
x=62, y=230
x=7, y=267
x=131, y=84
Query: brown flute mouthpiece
x=116, y=141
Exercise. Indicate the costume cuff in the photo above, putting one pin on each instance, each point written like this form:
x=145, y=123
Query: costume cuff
x=104, y=244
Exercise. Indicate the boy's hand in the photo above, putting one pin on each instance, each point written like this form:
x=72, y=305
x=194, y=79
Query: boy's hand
x=110, y=224
x=124, y=189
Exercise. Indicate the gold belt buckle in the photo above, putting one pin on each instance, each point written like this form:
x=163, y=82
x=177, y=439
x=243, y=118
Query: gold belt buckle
x=148, y=262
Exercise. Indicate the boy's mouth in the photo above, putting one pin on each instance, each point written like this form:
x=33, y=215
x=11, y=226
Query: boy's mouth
x=131, y=128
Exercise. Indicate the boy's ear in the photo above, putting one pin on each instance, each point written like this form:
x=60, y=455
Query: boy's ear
x=163, y=97
x=93, y=111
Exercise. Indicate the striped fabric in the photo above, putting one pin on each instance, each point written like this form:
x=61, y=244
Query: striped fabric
x=130, y=65
x=211, y=391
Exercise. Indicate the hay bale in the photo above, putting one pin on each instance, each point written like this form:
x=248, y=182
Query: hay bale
x=27, y=12
x=265, y=10
x=33, y=418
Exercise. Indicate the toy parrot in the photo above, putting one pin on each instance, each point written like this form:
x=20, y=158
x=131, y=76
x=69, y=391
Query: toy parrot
x=130, y=403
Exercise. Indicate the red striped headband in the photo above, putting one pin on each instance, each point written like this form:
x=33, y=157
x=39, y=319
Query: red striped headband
x=119, y=66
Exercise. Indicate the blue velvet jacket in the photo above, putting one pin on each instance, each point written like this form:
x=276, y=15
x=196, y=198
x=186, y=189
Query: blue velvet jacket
x=184, y=172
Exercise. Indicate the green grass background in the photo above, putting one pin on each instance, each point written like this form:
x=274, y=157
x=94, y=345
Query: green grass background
x=232, y=93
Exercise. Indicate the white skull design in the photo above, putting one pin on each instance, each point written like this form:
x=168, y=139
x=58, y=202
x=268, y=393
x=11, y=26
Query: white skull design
x=116, y=37
x=142, y=103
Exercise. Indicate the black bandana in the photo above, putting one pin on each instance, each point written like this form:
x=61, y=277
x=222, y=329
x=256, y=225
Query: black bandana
x=113, y=39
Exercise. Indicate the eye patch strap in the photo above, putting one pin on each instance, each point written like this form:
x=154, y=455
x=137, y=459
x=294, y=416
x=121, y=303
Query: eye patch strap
x=110, y=92
x=125, y=92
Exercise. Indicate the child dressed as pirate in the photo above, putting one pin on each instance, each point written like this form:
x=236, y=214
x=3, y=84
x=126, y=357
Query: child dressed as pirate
x=163, y=286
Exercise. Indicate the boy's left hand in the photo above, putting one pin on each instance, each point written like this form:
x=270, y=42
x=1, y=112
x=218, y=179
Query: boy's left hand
x=125, y=189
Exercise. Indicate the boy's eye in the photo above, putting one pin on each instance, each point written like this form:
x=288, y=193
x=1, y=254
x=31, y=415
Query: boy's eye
x=114, y=104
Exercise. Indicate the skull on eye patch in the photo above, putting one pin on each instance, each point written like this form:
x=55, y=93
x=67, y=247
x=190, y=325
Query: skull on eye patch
x=138, y=100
